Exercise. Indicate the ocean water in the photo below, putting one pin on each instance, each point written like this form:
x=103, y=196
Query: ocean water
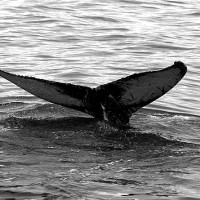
x=48, y=152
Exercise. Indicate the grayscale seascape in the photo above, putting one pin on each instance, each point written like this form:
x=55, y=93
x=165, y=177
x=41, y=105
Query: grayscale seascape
x=48, y=152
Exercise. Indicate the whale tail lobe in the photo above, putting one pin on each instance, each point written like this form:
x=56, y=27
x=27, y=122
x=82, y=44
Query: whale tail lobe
x=114, y=102
x=67, y=95
x=138, y=90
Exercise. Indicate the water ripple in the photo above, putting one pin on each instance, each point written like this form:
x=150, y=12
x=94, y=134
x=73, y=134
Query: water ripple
x=50, y=152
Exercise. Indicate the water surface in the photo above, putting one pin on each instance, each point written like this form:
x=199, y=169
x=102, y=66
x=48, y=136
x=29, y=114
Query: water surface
x=50, y=152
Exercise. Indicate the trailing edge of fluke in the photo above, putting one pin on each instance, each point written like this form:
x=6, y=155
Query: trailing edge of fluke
x=114, y=102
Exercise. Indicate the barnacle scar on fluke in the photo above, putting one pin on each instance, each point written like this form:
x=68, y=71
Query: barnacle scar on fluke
x=114, y=102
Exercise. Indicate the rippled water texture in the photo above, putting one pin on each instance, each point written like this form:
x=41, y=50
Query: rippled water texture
x=93, y=42
x=49, y=152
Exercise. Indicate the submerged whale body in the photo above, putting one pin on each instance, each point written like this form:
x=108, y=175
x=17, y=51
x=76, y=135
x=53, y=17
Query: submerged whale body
x=114, y=102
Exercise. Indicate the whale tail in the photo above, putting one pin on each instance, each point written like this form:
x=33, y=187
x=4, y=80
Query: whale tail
x=114, y=102
x=123, y=97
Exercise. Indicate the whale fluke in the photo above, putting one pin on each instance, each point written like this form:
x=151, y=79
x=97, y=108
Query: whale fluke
x=68, y=95
x=114, y=102
x=136, y=91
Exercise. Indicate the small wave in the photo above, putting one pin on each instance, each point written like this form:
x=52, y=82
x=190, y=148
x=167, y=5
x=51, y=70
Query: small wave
x=100, y=18
x=50, y=123
x=170, y=47
x=164, y=113
x=17, y=192
x=11, y=104
x=196, y=14
x=118, y=181
x=14, y=193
